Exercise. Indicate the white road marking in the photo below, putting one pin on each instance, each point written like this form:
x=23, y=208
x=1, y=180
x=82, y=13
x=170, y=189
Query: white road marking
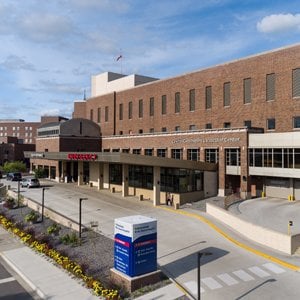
x=211, y=283
x=193, y=288
x=259, y=272
x=274, y=268
x=8, y=279
x=229, y=280
x=243, y=275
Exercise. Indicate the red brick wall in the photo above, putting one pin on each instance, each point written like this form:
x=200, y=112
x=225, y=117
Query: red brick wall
x=280, y=62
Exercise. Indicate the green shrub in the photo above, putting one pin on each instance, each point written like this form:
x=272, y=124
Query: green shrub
x=32, y=217
x=54, y=229
x=70, y=239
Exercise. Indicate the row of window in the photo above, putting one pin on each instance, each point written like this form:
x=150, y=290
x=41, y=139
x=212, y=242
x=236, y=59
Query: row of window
x=171, y=179
x=275, y=158
x=270, y=125
x=211, y=155
x=17, y=128
x=247, y=97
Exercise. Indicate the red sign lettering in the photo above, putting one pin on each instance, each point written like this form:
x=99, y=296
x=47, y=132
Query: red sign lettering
x=82, y=156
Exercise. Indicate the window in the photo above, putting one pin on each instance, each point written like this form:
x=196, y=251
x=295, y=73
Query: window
x=106, y=114
x=192, y=100
x=208, y=97
x=151, y=108
x=140, y=108
x=151, y=130
x=136, y=151
x=177, y=102
x=192, y=127
x=227, y=125
x=125, y=150
x=163, y=104
x=296, y=83
x=149, y=152
x=270, y=87
x=140, y=131
x=247, y=123
x=208, y=126
x=232, y=157
x=164, y=129
x=91, y=114
x=140, y=176
x=226, y=94
x=99, y=115
x=177, y=128
x=161, y=152
x=130, y=110
x=121, y=132
x=121, y=111
x=271, y=124
x=176, y=153
x=247, y=90
x=296, y=122
x=193, y=154
x=115, y=173
x=212, y=155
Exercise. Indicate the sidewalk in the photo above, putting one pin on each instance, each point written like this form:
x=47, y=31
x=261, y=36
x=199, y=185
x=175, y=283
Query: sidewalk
x=46, y=279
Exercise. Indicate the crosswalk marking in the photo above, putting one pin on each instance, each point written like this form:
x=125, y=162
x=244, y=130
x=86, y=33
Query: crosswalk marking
x=8, y=279
x=273, y=268
x=211, y=283
x=243, y=275
x=259, y=272
x=193, y=288
x=229, y=280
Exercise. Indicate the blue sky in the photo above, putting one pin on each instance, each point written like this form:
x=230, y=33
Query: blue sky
x=50, y=49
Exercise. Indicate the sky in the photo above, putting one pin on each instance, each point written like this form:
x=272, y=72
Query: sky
x=50, y=49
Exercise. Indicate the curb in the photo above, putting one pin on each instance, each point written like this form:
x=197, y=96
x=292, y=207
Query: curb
x=30, y=283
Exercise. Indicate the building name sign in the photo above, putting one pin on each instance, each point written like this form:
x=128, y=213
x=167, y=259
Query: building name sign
x=37, y=155
x=207, y=140
x=82, y=156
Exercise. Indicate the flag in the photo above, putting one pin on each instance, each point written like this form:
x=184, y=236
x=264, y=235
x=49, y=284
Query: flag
x=119, y=57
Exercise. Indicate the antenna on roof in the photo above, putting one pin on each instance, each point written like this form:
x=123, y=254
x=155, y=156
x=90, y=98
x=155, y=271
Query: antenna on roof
x=84, y=95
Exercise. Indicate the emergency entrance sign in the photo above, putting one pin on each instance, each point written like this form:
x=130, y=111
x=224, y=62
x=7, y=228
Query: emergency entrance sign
x=135, y=250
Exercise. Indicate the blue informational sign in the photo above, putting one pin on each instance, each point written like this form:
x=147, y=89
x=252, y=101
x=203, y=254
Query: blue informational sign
x=135, y=245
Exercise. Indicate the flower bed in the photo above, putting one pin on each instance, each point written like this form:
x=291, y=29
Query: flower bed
x=11, y=220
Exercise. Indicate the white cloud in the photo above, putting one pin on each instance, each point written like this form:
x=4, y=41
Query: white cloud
x=45, y=27
x=14, y=62
x=279, y=23
x=119, y=6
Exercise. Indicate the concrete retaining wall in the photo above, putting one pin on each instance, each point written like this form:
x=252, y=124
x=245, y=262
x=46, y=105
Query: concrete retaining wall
x=267, y=237
x=48, y=212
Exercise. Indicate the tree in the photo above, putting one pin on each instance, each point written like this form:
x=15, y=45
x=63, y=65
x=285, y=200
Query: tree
x=14, y=166
x=39, y=173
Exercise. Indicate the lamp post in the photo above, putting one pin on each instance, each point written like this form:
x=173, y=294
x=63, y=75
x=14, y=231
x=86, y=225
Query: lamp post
x=80, y=205
x=43, y=202
x=200, y=254
x=18, y=205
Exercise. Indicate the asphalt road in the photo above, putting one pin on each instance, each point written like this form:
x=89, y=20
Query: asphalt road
x=230, y=272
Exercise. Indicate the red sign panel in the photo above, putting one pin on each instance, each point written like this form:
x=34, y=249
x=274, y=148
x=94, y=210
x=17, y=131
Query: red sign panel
x=82, y=156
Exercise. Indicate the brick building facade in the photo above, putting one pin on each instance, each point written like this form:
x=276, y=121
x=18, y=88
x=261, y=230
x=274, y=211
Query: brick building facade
x=236, y=115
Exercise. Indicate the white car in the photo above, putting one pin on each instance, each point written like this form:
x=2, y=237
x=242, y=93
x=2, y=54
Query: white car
x=30, y=182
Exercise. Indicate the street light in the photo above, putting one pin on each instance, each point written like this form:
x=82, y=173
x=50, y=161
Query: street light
x=43, y=201
x=200, y=254
x=18, y=193
x=80, y=201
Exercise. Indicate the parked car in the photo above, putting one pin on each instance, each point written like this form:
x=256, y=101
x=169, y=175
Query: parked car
x=16, y=176
x=30, y=182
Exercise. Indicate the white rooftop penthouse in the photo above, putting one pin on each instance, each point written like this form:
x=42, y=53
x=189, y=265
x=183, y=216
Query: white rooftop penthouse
x=109, y=82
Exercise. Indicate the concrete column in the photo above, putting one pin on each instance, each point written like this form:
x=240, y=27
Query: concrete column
x=156, y=186
x=80, y=173
x=72, y=171
x=202, y=154
x=125, y=176
x=222, y=172
x=63, y=172
x=100, y=177
x=292, y=190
